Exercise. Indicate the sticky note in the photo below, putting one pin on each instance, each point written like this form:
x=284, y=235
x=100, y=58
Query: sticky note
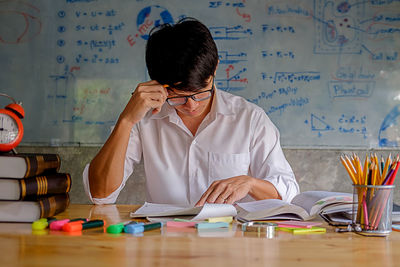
x=311, y=230
x=227, y=219
x=180, y=224
x=207, y=225
x=296, y=224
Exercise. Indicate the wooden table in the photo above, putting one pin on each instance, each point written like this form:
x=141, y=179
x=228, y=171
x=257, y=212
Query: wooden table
x=20, y=246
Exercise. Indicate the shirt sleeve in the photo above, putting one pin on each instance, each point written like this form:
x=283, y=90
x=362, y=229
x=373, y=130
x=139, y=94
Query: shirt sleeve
x=267, y=159
x=133, y=156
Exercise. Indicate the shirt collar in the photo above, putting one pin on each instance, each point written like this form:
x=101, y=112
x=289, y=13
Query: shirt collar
x=219, y=106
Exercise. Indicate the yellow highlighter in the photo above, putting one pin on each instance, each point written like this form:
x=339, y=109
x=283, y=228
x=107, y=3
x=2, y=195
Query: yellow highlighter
x=40, y=224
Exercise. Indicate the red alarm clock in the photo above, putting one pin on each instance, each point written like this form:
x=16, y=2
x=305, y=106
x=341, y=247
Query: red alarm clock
x=11, y=129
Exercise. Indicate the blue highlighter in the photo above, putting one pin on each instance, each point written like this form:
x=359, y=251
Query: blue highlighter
x=140, y=227
x=132, y=228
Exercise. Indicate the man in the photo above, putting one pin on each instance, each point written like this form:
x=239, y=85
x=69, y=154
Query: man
x=198, y=144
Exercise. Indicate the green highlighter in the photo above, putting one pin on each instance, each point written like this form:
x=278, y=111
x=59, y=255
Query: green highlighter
x=119, y=227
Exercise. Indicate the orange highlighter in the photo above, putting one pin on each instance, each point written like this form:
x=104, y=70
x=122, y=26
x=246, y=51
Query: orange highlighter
x=79, y=225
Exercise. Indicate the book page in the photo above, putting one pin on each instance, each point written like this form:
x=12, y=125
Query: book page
x=215, y=210
x=259, y=205
x=154, y=209
x=314, y=201
x=270, y=209
x=198, y=213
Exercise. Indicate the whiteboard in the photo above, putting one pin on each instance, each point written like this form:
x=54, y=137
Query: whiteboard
x=326, y=72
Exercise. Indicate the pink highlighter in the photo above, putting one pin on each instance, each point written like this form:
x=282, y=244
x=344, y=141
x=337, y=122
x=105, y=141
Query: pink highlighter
x=58, y=225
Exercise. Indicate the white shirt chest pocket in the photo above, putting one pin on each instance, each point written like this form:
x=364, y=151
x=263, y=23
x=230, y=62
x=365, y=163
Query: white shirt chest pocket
x=222, y=166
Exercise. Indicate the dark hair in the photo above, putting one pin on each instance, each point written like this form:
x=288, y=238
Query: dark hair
x=183, y=55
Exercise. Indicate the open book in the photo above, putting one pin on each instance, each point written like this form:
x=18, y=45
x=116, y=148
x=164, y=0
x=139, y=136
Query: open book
x=304, y=206
x=153, y=211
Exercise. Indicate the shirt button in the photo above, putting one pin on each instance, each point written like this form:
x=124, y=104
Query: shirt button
x=194, y=142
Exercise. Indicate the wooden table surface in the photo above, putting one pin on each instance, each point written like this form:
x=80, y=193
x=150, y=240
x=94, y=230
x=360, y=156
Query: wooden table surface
x=20, y=246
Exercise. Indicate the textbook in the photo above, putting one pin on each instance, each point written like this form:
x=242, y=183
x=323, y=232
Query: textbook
x=25, y=165
x=29, y=211
x=34, y=187
x=304, y=206
x=153, y=210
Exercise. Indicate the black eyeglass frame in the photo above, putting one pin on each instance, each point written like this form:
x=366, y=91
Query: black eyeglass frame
x=191, y=96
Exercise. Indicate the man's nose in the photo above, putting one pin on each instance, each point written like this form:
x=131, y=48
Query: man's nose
x=191, y=103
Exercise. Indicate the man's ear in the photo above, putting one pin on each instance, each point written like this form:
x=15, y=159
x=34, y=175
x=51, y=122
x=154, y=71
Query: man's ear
x=215, y=72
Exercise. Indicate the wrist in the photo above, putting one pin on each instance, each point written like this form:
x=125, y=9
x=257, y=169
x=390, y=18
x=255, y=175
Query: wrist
x=253, y=185
x=262, y=189
x=125, y=123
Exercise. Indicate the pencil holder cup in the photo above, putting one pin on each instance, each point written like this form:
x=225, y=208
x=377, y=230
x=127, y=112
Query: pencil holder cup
x=372, y=209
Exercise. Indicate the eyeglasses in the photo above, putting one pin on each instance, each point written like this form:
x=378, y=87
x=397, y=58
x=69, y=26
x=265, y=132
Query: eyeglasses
x=200, y=96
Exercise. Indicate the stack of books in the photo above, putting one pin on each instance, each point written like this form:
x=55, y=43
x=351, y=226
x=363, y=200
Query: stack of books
x=31, y=187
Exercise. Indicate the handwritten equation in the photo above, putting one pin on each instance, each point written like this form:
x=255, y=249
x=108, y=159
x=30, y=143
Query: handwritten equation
x=345, y=124
x=314, y=65
x=291, y=77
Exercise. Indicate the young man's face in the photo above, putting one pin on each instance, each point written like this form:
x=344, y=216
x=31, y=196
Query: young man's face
x=193, y=108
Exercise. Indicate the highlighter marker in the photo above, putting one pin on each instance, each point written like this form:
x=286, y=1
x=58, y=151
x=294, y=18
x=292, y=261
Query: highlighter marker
x=140, y=227
x=115, y=228
x=40, y=224
x=72, y=221
x=79, y=219
x=132, y=228
x=151, y=226
x=51, y=219
x=68, y=225
x=77, y=226
x=57, y=225
x=118, y=228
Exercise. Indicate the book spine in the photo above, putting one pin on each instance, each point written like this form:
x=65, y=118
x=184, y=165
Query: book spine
x=38, y=164
x=57, y=183
x=53, y=205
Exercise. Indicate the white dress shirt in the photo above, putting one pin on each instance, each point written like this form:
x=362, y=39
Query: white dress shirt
x=235, y=138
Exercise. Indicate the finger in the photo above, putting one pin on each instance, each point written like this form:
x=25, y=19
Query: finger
x=222, y=198
x=218, y=192
x=155, y=110
x=202, y=200
x=151, y=82
x=153, y=97
x=205, y=195
x=231, y=199
x=152, y=86
x=154, y=104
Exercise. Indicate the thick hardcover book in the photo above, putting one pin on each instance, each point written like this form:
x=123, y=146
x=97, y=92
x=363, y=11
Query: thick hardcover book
x=29, y=211
x=34, y=187
x=28, y=164
x=304, y=206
